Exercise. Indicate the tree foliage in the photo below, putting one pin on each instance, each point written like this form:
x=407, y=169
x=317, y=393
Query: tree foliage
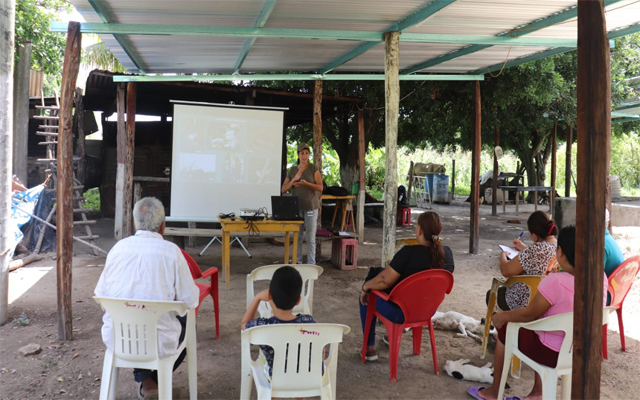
x=32, y=25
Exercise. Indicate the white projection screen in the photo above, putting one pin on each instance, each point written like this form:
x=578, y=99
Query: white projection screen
x=224, y=158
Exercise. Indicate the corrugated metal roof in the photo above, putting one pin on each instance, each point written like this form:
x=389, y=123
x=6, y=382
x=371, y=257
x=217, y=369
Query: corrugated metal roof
x=188, y=54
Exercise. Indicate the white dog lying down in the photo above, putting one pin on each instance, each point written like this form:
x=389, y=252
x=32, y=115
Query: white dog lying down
x=462, y=370
x=456, y=321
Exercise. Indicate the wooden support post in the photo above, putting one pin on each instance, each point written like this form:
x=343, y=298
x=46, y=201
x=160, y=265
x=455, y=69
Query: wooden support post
x=80, y=139
x=594, y=133
x=21, y=112
x=64, y=213
x=317, y=132
x=392, y=105
x=362, y=168
x=494, y=197
x=567, y=168
x=127, y=212
x=474, y=231
x=7, y=21
x=453, y=179
x=554, y=150
x=410, y=183
x=121, y=139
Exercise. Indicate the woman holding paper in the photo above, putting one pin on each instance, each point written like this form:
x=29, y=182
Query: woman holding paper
x=532, y=260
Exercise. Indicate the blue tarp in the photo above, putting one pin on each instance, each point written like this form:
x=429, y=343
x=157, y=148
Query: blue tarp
x=25, y=200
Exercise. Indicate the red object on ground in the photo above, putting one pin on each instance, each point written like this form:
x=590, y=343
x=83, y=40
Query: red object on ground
x=620, y=282
x=344, y=253
x=205, y=290
x=418, y=296
x=404, y=217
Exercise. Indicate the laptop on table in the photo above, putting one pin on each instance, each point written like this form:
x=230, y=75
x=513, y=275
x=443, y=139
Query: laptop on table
x=285, y=208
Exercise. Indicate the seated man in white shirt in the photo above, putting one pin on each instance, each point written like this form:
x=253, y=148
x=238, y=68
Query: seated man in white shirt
x=147, y=267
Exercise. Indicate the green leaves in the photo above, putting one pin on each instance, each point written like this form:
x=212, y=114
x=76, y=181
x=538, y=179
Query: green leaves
x=32, y=25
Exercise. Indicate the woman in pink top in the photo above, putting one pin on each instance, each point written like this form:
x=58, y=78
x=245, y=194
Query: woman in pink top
x=555, y=296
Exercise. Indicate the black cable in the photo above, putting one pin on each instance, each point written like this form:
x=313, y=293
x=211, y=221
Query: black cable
x=231, y=215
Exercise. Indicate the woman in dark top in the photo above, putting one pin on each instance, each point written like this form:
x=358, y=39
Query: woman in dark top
x=429, y=253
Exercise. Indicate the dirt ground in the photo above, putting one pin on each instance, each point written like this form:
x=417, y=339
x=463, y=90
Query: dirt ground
x=72, y=369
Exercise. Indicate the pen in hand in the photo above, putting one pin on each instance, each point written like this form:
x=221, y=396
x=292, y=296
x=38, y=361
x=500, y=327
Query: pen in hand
x=520, y=237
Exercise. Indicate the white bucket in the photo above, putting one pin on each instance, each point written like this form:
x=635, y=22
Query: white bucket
x=615, y=187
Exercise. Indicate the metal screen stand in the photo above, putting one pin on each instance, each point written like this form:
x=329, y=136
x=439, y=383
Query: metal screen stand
x=235, y=239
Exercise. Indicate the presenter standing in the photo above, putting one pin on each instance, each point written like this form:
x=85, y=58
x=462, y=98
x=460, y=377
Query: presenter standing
x=306, y=181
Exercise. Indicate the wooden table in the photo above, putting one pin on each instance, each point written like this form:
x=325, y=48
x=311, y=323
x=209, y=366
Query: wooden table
x=239, y=225
x=518, y=189
x=343, y=203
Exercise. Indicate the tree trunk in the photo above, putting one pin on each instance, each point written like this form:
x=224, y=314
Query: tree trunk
x=21, y=112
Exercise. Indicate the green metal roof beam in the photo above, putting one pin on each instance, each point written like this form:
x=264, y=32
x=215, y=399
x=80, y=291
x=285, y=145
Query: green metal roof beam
x=260, y=21
x=106, y=16
x=411, y=20
x=624, y=31
x=627, y=106
x=523, y=60
x=616, y=114
x=290, y=77
x=278, y=33
x=562, y=16
x=618, y=121
x=552, y=52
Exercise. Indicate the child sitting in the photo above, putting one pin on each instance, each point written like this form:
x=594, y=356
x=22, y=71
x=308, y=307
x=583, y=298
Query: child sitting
x=283, y=294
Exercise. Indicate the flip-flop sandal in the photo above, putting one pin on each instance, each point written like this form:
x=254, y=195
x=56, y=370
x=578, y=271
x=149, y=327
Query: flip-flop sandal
x=473, y=391
x=512, y=398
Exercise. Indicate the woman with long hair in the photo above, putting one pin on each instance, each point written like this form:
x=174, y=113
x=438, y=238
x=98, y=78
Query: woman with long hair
x=429, y=253
x=305, y=181
x=555, y=296
x=532, y=260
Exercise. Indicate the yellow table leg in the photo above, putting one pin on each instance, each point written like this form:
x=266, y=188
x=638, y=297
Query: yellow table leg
x=287, y=240
x=226, y=258
x=294, y=259
x=343, y=208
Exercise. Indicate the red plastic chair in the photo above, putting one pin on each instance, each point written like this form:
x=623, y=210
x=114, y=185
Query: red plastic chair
x=620, y=282
x=418, y=297
x=205, y=290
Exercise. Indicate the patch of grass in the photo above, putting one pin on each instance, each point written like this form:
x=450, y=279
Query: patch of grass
x=22, y=320
x=92, y=199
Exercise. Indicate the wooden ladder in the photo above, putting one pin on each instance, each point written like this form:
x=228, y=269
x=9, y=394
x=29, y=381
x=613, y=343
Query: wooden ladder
x=49, y=129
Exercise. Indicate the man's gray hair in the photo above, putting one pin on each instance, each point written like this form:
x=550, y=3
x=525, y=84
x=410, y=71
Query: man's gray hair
x=148, y=214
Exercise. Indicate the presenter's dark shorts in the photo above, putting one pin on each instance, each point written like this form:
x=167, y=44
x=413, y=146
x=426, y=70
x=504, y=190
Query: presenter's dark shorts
x=529, y=343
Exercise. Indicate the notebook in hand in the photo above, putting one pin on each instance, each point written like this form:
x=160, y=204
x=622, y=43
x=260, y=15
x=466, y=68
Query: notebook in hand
x=285, y=208
x=511, y=252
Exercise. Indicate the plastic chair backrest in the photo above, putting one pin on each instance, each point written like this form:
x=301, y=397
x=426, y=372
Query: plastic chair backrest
x=420, y=294
x=308, y=272
x=621, y=279
x=196, y=272
x=135, y=325
x=298, y=355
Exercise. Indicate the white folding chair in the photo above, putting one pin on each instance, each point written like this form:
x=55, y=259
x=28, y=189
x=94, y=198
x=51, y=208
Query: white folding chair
x=298, y=360
x=136, y=343
x=309, y=273
x=549, y=376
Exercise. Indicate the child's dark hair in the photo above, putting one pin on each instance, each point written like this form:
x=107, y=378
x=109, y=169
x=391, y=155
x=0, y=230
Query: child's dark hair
x=567, y=242
x=540, y=224
x=431, y=227
x=285, y=287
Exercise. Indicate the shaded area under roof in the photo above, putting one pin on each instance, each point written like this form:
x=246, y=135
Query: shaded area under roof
x=153, y=98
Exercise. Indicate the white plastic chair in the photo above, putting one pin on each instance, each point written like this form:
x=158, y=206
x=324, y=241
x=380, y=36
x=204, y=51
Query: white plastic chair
x=309, y=273
x=298, y=360
x=136, y=343
x=549, y=376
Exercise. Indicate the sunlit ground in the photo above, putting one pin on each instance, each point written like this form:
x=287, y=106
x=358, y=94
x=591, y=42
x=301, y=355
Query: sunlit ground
x=23, y=279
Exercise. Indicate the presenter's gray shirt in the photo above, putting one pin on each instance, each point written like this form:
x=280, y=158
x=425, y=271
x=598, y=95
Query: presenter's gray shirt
x=308, y=198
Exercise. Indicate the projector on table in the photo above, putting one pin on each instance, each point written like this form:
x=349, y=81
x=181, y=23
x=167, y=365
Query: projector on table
x=249, y=214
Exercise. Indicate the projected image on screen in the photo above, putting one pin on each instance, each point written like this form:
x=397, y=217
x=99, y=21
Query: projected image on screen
x=224, y=159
